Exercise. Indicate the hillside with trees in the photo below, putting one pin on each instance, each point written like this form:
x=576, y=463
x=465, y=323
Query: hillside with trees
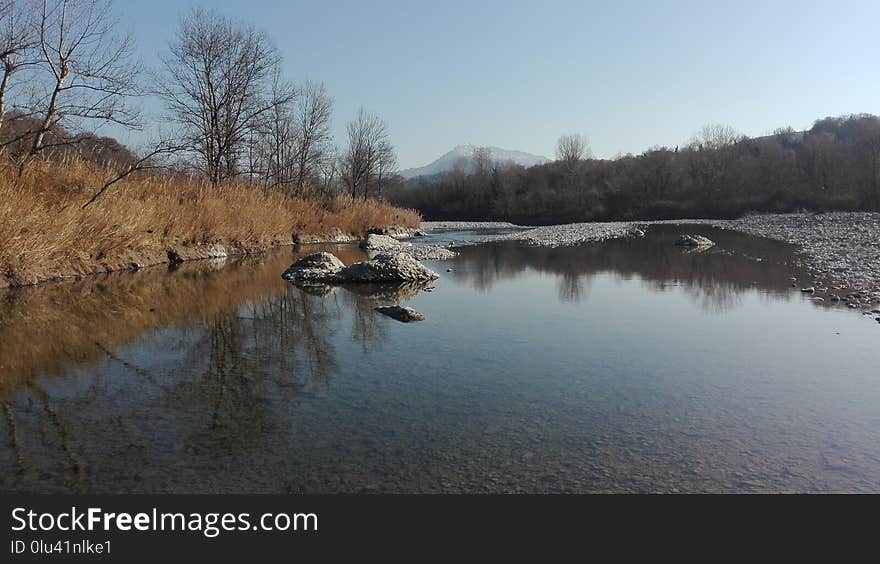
x=835, y=165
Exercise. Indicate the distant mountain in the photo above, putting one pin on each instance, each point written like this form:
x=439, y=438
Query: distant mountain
x=463, y=154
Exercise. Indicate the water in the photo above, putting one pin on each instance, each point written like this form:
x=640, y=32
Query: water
x=626, y=366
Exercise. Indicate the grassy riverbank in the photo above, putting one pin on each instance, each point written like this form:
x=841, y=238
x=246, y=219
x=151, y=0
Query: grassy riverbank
x=46, y=234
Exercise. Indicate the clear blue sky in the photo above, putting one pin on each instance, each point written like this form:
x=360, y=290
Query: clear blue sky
x=517, y=74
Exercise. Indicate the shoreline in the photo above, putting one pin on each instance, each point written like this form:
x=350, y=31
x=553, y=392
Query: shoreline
x=841, y=250
x=181, y=253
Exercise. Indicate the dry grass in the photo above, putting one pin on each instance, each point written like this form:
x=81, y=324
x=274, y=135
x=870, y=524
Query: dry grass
x=45, y=233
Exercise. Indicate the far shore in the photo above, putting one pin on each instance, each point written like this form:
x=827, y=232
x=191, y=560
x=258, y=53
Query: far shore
x=840, y=249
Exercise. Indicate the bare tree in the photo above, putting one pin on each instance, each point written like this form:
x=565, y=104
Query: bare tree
x=91, y=75
x=572, y=147
x=219, y=89
x=386, y=164
x=367, y=140
x=18, y=40
x=274, y=141
x=312, y=114
x=715, y=136
x=328, y=169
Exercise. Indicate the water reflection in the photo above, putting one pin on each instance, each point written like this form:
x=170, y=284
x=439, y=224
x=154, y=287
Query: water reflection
x=714, y=277
x=537, y=370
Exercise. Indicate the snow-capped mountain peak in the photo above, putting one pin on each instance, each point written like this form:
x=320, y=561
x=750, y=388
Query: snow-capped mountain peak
x=462, y=155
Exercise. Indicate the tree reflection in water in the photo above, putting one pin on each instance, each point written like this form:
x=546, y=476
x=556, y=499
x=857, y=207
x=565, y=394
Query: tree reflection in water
x=231, y=379
x=223, y=343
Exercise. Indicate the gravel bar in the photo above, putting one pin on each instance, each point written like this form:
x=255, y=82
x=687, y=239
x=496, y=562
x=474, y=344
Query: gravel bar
x=841, y=249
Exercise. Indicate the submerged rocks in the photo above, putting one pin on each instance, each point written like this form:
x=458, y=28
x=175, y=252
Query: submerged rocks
x=325, y=268
x=400, y=313
x=695, y=241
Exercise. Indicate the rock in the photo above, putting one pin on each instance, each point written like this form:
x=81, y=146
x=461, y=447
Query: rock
x=216, y=251
x=808, y=290
x=314, y=268
x=387, y=267
x=636, y=232
x=394, y=231
x=694, y=241
x=305, y=238
x=174, y=257
x=448, y=270
x=420, y=233
x=382, y=243
x=336, y=235
x=404, y=314
x=376, y=244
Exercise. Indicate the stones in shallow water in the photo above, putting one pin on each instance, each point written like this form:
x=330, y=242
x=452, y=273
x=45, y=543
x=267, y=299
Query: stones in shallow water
x=400, y=313
x=695, y=241
x=325, y=268
x=375, y=243
x=808, y=290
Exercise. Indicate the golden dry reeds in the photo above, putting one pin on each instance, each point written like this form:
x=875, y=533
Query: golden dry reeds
x=45, y=233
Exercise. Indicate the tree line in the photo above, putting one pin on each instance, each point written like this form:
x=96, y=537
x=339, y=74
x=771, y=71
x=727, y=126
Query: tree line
x=835, y=165
x=229, y=113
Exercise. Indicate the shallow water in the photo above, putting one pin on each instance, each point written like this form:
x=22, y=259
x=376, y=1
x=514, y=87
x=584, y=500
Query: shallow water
x=625, y=366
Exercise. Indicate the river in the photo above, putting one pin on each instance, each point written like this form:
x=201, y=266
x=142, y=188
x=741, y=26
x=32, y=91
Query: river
x=630, y=365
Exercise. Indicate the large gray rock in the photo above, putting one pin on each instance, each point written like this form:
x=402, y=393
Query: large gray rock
x=694, y=241
x=387, y=267
x=314, y=268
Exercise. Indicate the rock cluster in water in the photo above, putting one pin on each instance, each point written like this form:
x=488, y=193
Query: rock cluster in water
x=326, y=268
x=375, y=243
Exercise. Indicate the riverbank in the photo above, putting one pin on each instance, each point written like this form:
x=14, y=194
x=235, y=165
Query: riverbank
x=841, y=250
x=45, y=234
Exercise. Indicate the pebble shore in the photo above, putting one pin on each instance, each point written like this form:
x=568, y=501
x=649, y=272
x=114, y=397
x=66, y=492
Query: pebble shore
x=841, y=250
